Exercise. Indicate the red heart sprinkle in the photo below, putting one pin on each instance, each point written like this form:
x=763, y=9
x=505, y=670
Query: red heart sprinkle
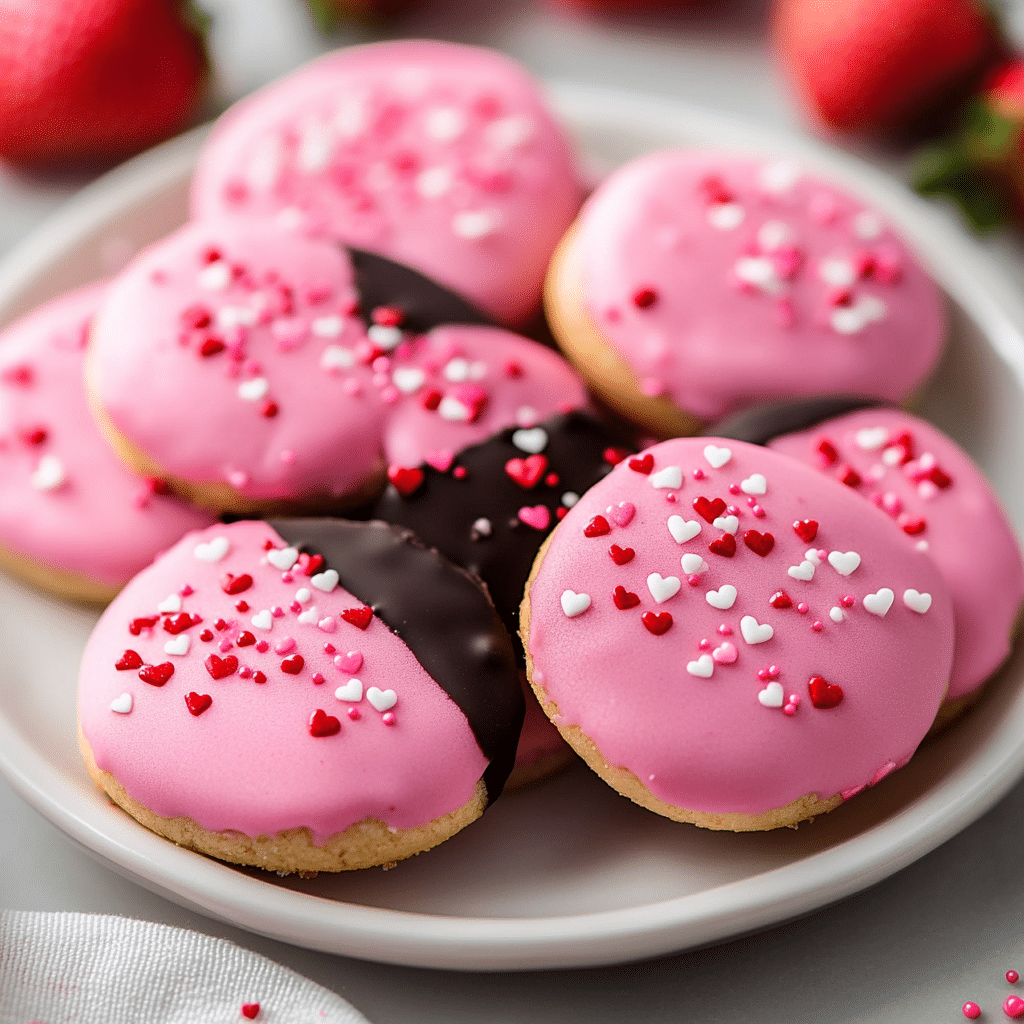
x=232, y=584
x=323, y=724
x=211, y=346
x=644, y=298
x=806, y=529
x=293, y=665
x=624, y=598
x=221, y=667
x=156, y=675
x=431, y=400
x=197, y=703
x=206, y=636
x=310, y=564
x=827, y=450
x=130, y=659
x=725, y=546
x=597, y=527
x=258, y=677
x=250, y=1010
x=175, y=624
x=849, y=476
x=642, y=464
x=940, y=478
x=358, y=616
x=136, y=626
x=913, y=526
x=780, y=599
x=245, y=639
x=620, y=556
x=405, y=481
x=613, y=456
x=656, y=622
x=708, y=510
x=527, y=472
x=760, y=543
x=824, y=695
x=905, y=443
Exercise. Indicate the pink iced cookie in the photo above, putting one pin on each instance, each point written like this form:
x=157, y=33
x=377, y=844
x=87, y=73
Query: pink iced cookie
x=695, y=283
x=73, y=518
x=732, y=639
x=945, y=507
x=242, y=697
x=228, y=358
x=460, y=385
x=438, y=156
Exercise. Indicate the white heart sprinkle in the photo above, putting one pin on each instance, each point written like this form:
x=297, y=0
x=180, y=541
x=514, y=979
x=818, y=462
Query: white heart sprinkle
x=663, y=587
x=352, y=691
x=303, y=594
x=382, y=700
x=704, y=667
x=916, y=601
x=692, y=563
x=434, y=182
x=836, y=614
x=723, y=598
x=813, y=555
x=727, y=524
x=215, y=277
x=880, y=602
x=483, y=527
x=213, y=550
x=334, y=357
x=328, y=624
x=263, y=619
x=844, y=562
x=803, y=571
x=510, y=132
x=310, y=615
x=49, y=474
x=283, y=558
x=760, y=272
x=774, y=233
x=754, y=484
x=574, y=604
x=122, y=705
x=682, y=529
x=444, y=123
x=717, y=457
x=178, y=645
x=384, y=336
x=755, y=632
x=772, y=696
x=328, y=327
x=867, y=225
x=326, y=580
x=533, y=441
x=472, y=224
x=870, y=439
x=671, y=477
x=453, y=410
x=725, y=653
x=456, y=370
x=408, y=379
x=837, y=271
x=253, y=390
x=170, y=604
x=570, y=499
x=726, y=216
x=779, y=176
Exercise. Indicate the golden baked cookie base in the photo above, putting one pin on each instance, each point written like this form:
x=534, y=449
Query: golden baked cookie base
x=366, y=844
x=71, y=586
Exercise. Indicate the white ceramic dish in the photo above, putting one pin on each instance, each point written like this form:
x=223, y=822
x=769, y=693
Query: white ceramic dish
x=569, y=874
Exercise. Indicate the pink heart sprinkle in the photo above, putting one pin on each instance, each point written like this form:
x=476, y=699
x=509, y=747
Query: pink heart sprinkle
x=351, y=662
x=328, y=625
x=538, y=516
x=622, y=513
x=284, y=645
x=725, y=654
x=441, y=460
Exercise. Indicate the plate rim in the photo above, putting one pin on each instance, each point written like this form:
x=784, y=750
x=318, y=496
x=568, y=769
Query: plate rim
x=577, y=940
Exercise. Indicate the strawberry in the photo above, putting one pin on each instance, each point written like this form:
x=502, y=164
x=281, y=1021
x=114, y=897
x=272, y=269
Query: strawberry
x=95, y=80
x=862, y=65
x=981, y=166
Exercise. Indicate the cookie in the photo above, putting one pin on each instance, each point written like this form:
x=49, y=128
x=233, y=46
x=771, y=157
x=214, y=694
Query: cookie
x=73, y=519
x=943, y=506
x=770, y=647
x=695, y=283
x=441, y=157
x=302, y=695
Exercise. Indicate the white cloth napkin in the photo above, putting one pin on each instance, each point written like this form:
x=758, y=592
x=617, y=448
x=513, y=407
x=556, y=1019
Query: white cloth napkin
x=94, y=969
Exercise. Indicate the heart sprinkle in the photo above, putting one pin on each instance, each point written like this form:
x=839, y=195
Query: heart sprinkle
x=725, y=654
x=760, y=543
x=293, y=665
x=755, y=632
x=322, y=724
x=282, y=558
x=806, y=529
x=220, y=668
x=703, y=667
x=129, y=660
x=670, y=478
x=404, y=480
x=574, y=604
x=527, y=472
x=709, y=510
x=723, y=598
x=538, y=517
x=197, y=703
x=622, y=514
x=620, y=556
x=724, y=546
x=917, y=602
x=642, y=464
x=156, y=675
x=350, y=692
x=824, y=695
x=682, y=529
x=772, y=696
x=232, y=584
x=663, y=588
x=382, y=700
x=780, y=599
x=624, y=598
x=880, y=602
x=657, y=623
x=717, y=457
x=844, y=562
x=359, y=617
x=122, y=705
x=597, y=527
x=754, y=484
x=325, y=581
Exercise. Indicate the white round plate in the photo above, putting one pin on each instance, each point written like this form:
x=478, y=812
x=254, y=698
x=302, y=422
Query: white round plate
x=568, y=874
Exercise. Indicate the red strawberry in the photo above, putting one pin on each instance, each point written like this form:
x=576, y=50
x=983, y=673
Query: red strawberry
x=95, y=80
x=869, y=64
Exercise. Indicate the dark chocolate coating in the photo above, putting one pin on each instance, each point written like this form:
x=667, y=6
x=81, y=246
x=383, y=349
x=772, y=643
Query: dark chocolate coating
x=441, y=614
x=425, y=303
x=443, y=509
x=762, y=423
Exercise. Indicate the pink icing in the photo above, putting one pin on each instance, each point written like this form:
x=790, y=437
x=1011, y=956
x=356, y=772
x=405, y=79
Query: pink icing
x=249, y=761
x=65, y=500
x=286, y=341
x=439, y=156
x=707, y=742
x=722, y=280
x=960, y=522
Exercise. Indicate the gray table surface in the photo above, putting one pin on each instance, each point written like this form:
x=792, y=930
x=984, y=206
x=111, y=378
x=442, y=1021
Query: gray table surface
x=912, y=948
